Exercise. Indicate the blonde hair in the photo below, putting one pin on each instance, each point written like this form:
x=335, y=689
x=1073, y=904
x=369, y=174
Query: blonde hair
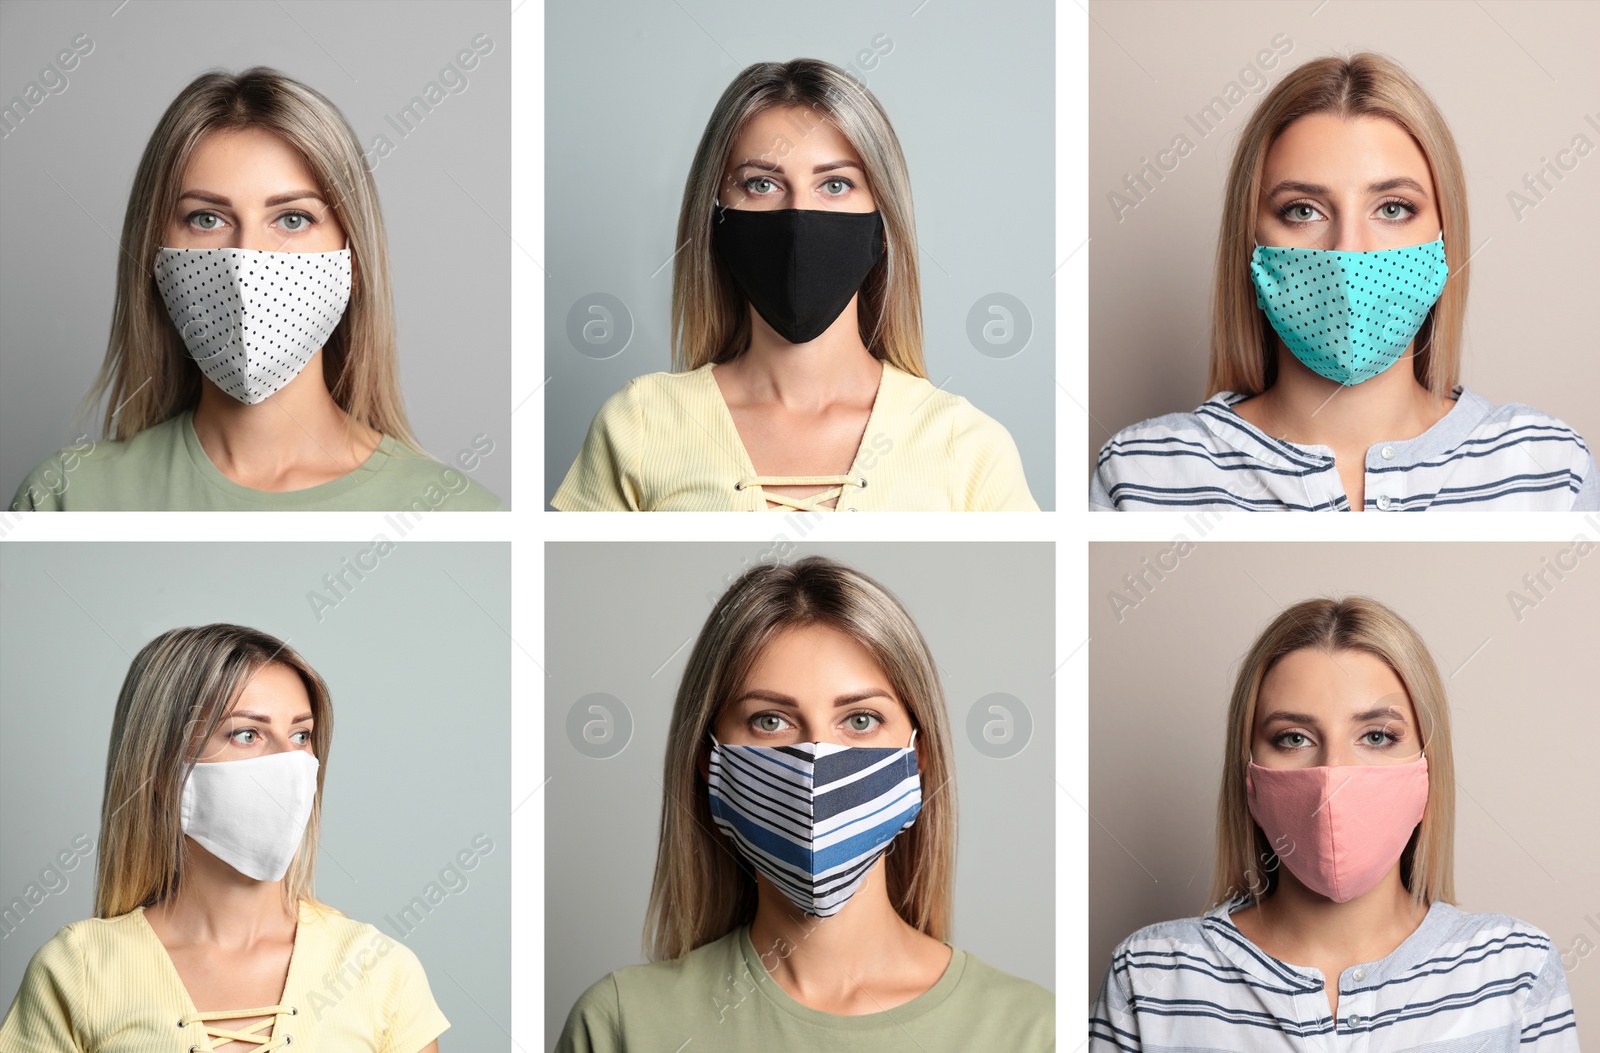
x=147, y=373
x=177, y=692
x=1243, y=343
x=1246, y=864
x=710, y=316
x=701, y=890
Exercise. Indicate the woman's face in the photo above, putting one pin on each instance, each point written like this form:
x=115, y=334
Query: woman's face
x=249, y=189
x=814, y=684
x=271, y=715
x=1322, y=708
x=1354, y=184
x=793, y=157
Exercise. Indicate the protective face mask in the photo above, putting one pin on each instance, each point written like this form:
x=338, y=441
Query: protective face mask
x=1348, y=315
x=798, y=266
x=814, y=817
x=252, y=319
x=251, y=814
x=1339, y=829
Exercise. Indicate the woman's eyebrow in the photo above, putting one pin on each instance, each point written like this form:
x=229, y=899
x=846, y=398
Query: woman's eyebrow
x=271, y=202
x=777, y=699
x=768, y=166
x=1284, y=717
x=1397, y=183
x=262, y=718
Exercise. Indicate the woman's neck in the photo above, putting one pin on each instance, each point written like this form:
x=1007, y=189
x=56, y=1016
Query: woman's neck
x=829, y=961
x=215, y=904
x=1298, y=926
x=296, y=438
x=808, y=377
x=1308, y=409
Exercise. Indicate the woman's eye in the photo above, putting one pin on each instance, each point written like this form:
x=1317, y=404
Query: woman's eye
x=1300, y=213
x=301, y=738
x=770, y=723
x=206, y=221
x=862, y=722
x=1393, y=210
x=1377, y=738
x=759, y=185
x=1293, y=740
x=295, y=222
x=836, y=187
x=245, y=736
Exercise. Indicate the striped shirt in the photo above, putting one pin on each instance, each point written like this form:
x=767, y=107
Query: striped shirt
x=1479, y=456
x=1461, y=983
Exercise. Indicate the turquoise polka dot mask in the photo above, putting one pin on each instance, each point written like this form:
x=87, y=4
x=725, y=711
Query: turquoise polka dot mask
x=1348, y=315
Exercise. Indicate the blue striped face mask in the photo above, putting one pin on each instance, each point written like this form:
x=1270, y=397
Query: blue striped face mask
x=1348, y=315
x=814, y=817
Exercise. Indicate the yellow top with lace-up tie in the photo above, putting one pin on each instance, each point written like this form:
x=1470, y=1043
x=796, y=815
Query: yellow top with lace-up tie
x=108, y=985
x=666, y=442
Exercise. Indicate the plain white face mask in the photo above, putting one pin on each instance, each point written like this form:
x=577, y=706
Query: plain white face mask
x=251, y=814
x=252, y=319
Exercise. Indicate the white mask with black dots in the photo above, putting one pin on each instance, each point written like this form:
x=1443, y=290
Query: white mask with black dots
x=250, y=319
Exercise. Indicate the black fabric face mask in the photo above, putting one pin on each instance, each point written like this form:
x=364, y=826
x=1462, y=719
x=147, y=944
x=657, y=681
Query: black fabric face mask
x=798, y=266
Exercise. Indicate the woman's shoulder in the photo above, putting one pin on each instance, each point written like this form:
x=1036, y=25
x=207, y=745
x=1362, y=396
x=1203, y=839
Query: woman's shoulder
x=89, y=465
x=651, y=989
x=1018, y=997
x=89, y=947
x=1461, y=932
x=1209, y=424
x=1491, y=420
x=419, y=482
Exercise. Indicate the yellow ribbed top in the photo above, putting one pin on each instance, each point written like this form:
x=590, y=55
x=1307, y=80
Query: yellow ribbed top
x=107, y=985
x=666, y=442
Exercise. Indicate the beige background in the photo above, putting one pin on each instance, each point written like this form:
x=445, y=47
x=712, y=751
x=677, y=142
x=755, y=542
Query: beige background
x=1523, y=702
x=1514, y=81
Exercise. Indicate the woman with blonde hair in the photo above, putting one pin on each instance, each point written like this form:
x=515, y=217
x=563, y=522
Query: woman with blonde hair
x=252, y=362
x=1331, y=920
x=207, y=932
x=803, y=880
x=796, y=330
x=1339, y=299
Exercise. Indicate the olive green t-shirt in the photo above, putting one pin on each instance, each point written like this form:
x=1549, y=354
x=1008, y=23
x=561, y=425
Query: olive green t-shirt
x=720, y=997
x=164, y=468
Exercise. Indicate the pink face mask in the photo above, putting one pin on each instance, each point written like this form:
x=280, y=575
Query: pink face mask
x=1339, y=829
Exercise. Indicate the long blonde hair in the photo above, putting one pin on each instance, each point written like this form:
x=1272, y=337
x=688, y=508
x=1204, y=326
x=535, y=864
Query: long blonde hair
x=177, y=691
x=148, y=376
x=1246, y=864
x=701, y=891
x=1243, y=344
x=710, y=316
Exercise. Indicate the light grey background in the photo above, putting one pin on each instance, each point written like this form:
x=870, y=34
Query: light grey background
x=1522, y=697
x=1514, y=82
x=418, y=664
x=445, y=190
x=970, y=90
x=988, y=614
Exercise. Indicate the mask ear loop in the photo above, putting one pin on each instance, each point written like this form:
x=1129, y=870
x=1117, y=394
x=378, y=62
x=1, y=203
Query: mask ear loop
x=913, y=743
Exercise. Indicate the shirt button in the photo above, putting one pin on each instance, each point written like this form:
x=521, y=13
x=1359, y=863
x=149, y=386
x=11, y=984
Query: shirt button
x=1358, y=975
x=1352, y=1020
x=1388, y=453
x=1384, y=503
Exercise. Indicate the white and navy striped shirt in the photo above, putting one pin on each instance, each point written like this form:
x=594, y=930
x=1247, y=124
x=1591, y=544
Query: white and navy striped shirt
x=1478, y=456
x=1461, y=983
